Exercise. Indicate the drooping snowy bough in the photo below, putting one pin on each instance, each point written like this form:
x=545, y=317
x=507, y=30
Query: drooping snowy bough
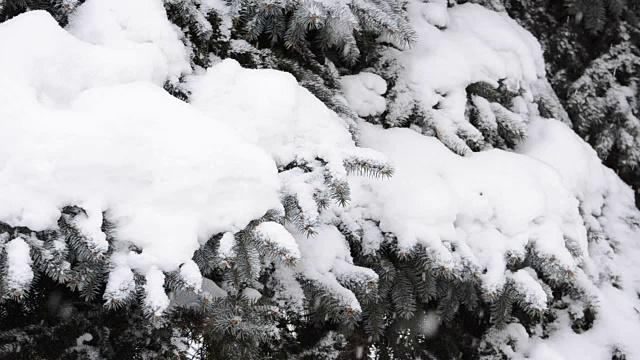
x=441, y=179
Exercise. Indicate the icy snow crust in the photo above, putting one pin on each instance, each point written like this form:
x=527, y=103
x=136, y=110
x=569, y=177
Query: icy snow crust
x=85, y=122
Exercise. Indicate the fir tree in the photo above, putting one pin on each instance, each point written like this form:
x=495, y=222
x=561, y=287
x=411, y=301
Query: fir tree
x=604, y=106
x=60, y=9
x=575, y=58
x=233, y=299
x=60, y=302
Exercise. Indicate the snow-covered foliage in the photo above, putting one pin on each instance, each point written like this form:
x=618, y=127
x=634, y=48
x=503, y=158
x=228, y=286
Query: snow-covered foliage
x=540, y=209
x=593, y=72
x=364, y=93
x=144, y=157
x=463, y=55
x=155, y=298
x=19, y=273
x=257, y=210
x=604, y=102
x=338, y=23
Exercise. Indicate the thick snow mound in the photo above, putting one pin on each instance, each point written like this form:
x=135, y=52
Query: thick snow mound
x=481, y=209
x=326, y=259
x=477, y=45
x=457, y=47
x=364, y=93
x=488, y=204
x=141, y=25
x=19, y=274
x=279, y=237
x=605, y=202
x=41, y=61
x=269, y=108
x=579, y=165
x=85, y=125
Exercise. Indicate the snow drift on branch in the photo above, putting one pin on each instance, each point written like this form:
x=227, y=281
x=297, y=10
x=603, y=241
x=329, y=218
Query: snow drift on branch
x=85, y=125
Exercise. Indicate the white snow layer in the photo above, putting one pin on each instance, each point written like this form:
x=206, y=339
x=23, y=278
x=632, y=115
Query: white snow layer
x=457, y=47
x=190, y=274
x=155, y=298
x=487, y=204
x=326, y=258
x=478, y=211
x=86, y=125
x=268, y=108
x=495, y=203
x=121, y=284
x=19, y=273
x=477, y=45
x=85, y=121
x=277, y=235
x=141, y=25
x=364, y=93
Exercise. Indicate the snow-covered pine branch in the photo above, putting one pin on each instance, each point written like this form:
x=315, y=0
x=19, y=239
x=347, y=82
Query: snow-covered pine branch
x=289, y=179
